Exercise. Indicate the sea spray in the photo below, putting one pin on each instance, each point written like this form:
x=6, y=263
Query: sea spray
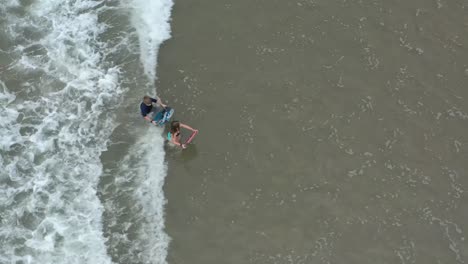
x=150, y=19
x=58, y=97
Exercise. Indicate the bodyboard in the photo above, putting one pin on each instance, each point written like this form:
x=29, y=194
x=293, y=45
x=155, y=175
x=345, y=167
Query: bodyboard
x=163, y=116
x=191, y=137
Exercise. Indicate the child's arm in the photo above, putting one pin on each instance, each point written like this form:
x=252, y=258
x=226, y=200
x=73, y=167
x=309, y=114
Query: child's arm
x=148, y=118
x=160, y=102
x=187, y=127
x=178, y=143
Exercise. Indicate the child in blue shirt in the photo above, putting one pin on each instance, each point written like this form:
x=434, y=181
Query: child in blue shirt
x=146, y=107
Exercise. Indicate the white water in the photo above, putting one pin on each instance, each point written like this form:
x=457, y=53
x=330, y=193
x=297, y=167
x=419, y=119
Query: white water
x=50, y=162
x=57, y=117
x=140, y=175
x=137, y=210
x=150, y=19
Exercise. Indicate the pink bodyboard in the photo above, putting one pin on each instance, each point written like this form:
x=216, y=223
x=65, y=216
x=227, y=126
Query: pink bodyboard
x=191, y=137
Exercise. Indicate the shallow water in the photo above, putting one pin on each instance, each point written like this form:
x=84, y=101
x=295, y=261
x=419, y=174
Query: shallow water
x=330, y=132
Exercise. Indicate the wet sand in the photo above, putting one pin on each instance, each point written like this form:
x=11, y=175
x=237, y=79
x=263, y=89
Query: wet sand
x=329, y=132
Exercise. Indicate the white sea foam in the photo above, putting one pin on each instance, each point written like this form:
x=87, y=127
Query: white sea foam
x=55, y=123
x=138, y=187
x=151, y=22
x=140, y=174
x=56, y=120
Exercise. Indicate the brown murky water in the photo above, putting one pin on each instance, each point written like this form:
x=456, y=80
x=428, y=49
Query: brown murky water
x=330, y=131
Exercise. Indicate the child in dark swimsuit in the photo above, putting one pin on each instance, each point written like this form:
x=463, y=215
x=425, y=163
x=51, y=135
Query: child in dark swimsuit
x=146, y=108
x=174, y=135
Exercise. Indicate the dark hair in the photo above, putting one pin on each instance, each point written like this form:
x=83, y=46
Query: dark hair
x=175, y=126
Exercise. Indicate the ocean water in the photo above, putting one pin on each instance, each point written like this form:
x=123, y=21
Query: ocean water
x=68, y=69
x=330, y=131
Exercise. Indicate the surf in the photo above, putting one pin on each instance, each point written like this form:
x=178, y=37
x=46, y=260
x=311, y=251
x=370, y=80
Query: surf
x=58, y=93
x=58, y=96
x=150, y=20
x=139, y=176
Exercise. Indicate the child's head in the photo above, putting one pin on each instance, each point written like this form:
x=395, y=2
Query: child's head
x=147, y=100
x=175, y=126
